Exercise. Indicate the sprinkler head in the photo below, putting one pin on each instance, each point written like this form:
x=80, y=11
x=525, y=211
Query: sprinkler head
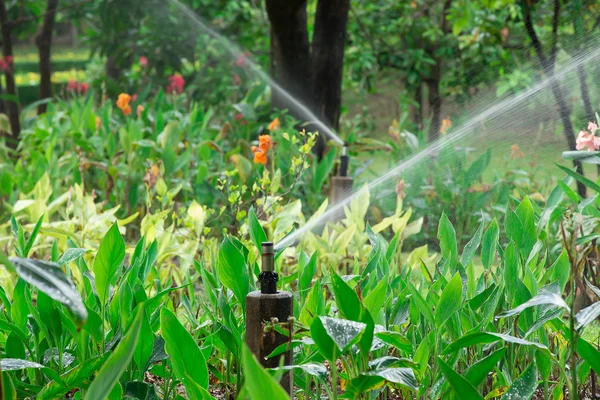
x=268, y=277
x=344, y=160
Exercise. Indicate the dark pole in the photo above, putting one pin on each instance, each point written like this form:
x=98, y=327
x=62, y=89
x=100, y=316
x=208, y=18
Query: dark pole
x=264, y=308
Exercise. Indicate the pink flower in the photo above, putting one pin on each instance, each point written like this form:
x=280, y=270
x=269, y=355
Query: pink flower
x=176, y=83
x=143, y=62
x=241, y=60
x=83, y=88
x=588, y=140
x=592, y=127
x=133, y=97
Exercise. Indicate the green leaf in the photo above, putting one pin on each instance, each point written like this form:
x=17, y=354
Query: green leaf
x=50, y=279
x=145, y=344
x=346, y=299
x=322, y=170
x=257, y=233
x=258, y=381
x=372, y=380
x=511, y=271
x=490, y=241
x=447, y=238
x=108, y=261
x=472, y=246
x=544, y=298
x=462, y=387
x=231, y=267
x=13, y=364
x=376, y=297
x=450, y=301
x=580, y=178
x=587, y=315
x=330, y=334
x=117, y=363
x=488, y=337
x=313, y=306
x=524, y=386
x=185, y=355
x=477, y=372
x=33, y=236
x=397, y=340
x=589, y=353
x=420, y=302
x=307, y=272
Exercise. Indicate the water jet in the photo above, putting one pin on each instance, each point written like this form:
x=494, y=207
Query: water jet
x=264, y=308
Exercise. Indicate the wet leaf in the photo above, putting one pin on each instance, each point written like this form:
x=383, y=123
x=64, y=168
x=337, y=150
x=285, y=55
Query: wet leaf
x=546, y=298
x=488, y=337
x=14, y=364
x=231, y=267
x=108, y=260
x=524, y=386
x=50, y=279
x=330, y=334
x=587, y=315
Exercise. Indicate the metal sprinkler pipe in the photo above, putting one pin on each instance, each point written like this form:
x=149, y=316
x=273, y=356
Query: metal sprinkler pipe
x=341, y=185
x=264, y=309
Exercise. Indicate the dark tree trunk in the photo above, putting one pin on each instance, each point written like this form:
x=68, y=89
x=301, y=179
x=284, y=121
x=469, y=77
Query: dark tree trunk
x=292, y=50
x=328, y=58
x=548, y=63
x=113, y=71
x=585, y=93
x=419, y=106
x=435, y=102
x=43, y=41
x=11, y=105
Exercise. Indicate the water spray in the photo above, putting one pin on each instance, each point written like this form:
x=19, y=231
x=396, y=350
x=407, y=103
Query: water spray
x=264, y=309
x=341, y=184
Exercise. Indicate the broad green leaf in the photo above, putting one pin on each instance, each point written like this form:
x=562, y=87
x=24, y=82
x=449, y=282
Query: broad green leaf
x=544, y=298
x=587, y=315
x=345, y=297
x=307, y=272
x=314, y=304
x=13, y=364
x=369, y=381
x=71, y=254
x=33, y=236
x=117, y=363
x=463, y=389
x=108, y=261
x=477, y=372
x=50, y=279
x=330, y=334
x=396, y=339
x=145, y=344
x=447, y=238
x=524, y=386
x=488, y=337
x=376, y=297
x=258, y=381
x=257, y=233
x=472, y=246
x=490, y=241
x=511, y=272
x=322, y=170
x=589, y=353
x=231, y=267
x=185, y=355
x=450, y=301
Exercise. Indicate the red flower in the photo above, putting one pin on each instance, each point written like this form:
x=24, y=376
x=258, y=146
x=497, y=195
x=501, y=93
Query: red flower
x=176, y=83
x=6, y=63
x=133, y=97
x=77, y=87
x=236, y=79
x=143, y=62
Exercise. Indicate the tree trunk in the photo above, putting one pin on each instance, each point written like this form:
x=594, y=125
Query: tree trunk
x=11, y=89
x=328, y=45
x=419, y=106
x=43, y=41
x=547, y=63
x=435, y=103
x=585, y=93
x=292, y=51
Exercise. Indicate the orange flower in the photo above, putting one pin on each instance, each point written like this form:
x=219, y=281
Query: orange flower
x=446, y=124
x=274, y=124
x=123, y=103
x=260, y=157
x=140, y=110
x=515, y=152
x=98, y=123
x=265, y=143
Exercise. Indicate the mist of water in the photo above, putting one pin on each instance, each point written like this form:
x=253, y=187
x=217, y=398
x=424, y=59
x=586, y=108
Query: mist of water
x=300, y=110
x=470, y=130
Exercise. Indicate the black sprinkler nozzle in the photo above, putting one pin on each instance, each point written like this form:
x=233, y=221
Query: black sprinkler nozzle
x=344, y=160
x=268, y=277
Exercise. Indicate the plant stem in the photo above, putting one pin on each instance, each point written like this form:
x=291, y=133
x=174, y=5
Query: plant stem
x=573, y=395
x=334, y=390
